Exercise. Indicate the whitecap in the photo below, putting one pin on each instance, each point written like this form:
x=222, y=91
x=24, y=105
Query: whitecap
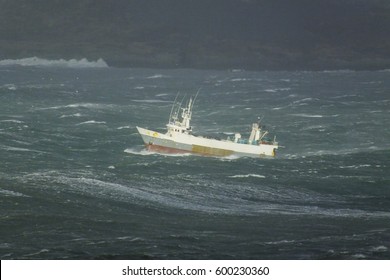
x=77, y=105
x=239, y=80
x=11, y=121
x=85, y=105
x=277, y=89
x=157, y=76
x=37, y=253
x=380, y=248
x=145, y=152
x=150, y=101
x=230, y=158
x=9, y=86
x=284, y=241
x=359, y=256
x=142, y=152
x=355, y=166
x=305, y=100
x=123, y=127
x=129, y=238
x=92, y=122
x=343, y=96
x=314, y=127
x=71, y=116
x=17, y=149
x=247, y=176
x=307, y=115
x=338, y=71
x=12, y=193
x=72, y=63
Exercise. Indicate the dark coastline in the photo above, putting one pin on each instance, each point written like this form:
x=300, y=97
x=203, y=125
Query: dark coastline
x=218, y=34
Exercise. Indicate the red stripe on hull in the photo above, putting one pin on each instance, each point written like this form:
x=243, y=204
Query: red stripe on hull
x=165, y=150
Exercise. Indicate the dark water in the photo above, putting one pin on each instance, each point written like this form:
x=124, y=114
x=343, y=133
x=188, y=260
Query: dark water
x=76, y=183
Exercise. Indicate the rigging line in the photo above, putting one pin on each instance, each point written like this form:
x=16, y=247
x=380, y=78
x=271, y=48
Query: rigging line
x=173, y=105
x=182, y=100
x=195, y=98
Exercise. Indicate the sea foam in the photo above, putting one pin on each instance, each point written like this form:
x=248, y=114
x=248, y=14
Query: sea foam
x=247, y=176
x=92, y=122
x=62, y=63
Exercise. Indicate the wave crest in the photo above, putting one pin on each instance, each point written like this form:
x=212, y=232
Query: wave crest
x=247, y=176
x=72, y=63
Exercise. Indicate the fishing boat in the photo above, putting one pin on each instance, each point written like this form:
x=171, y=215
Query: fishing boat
x=179, y=138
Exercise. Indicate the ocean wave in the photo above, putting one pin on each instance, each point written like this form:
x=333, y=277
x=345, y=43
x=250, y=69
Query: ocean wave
x=240, y=79
x=247, y=176
x=17, y=149
x=340, y=152
x=229, y=158
x=9, y=86
x=215, y=200
x=43, y=251
x=71, y=116
x=157, y=76
x=277, y=89
x=92, y=122
x=337, y=71
x=139, y=152
x=62, y=63
x=150, y=101
x=11, y=121
x=380, y=248
x=343, y=96
x=123, y=127
x=307, y=115
x=12, y=193
x=315, y=127
x=357, y=166
x=82, y=182
x=78, y=105
x=145, y=152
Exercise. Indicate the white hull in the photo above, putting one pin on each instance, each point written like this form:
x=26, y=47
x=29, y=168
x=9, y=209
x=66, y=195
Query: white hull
x=173, y=142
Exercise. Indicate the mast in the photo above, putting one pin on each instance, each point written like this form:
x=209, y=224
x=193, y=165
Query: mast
x=180, y=117
x=186, y=115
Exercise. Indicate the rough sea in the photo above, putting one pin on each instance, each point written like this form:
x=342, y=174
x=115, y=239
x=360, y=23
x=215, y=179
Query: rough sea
x=77, y=183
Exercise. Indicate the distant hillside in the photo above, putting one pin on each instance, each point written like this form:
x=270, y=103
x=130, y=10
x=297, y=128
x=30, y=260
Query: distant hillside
x=250, y=34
